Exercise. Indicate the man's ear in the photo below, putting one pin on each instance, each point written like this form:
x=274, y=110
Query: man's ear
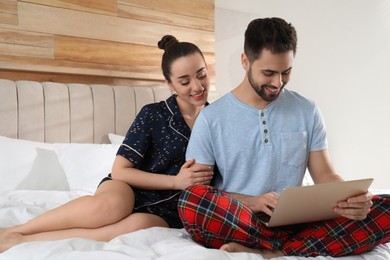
x=245, y=61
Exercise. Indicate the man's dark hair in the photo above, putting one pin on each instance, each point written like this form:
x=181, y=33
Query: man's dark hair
x=274, y=34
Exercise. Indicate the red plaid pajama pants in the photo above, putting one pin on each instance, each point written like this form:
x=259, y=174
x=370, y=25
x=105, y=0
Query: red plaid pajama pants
x=213, y=218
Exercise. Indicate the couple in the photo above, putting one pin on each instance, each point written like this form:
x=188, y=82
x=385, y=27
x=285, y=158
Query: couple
x=161, y=176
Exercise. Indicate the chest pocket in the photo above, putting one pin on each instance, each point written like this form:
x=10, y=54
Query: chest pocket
x=294, y=148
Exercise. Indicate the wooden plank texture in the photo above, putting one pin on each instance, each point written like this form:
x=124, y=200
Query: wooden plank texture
x=26, y=51
x=56, y=21
x=8, y=19
x=150, y=15
x=8, y=12
x=26, y=38
x=95, y=41
x=53, y=77
x=107, y=52
x=72, y=78
x=198, y=8
x=93, y=6
x=9, y=6
x=78, y=68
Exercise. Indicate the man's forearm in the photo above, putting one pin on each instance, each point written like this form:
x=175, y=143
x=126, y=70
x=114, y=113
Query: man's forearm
x=328, y=178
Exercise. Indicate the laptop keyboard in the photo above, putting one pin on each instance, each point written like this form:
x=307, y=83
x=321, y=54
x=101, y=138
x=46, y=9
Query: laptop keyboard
x=263, y=217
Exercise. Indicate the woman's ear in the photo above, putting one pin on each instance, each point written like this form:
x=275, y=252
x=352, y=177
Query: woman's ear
x=245, y=62
x=169, y=84
x=171, y=88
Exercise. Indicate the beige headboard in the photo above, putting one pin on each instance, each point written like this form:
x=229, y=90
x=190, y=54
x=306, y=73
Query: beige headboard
x=70, y=113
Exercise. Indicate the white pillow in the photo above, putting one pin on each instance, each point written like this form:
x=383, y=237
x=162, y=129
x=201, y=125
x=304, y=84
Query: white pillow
x=307, y=180
x=115, y=139
x=46, y=173
x=85, y=165
x=16, y=160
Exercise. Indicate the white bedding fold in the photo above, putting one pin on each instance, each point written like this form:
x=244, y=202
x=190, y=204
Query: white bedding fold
x=155, y=243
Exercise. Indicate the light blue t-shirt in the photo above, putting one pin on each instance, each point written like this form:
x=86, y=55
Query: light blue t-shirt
x=258, y=151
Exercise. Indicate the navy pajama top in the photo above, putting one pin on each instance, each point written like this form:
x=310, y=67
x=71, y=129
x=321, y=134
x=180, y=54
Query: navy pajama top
x=156, y=142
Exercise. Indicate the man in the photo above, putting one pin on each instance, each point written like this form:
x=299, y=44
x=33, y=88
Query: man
x=262, y=137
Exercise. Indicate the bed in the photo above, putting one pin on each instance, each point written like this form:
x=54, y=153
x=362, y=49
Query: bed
x=56, y=142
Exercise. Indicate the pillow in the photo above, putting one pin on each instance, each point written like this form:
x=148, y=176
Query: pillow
x=85, y=165
x=17, y=158
x=115, y=139
x=307, y=180
x=46, y=173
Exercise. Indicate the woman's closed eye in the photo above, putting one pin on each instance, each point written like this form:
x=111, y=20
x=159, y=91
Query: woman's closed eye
x=185, y=83
x=202, y=74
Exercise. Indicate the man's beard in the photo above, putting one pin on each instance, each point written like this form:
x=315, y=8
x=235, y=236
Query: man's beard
x=260, y=89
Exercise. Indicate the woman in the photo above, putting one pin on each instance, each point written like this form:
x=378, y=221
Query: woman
x=149, y=171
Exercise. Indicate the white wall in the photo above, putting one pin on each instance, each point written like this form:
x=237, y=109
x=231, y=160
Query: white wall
x=342, y=63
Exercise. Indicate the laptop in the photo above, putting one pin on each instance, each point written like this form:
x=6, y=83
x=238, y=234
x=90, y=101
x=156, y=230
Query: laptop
x=313, y=203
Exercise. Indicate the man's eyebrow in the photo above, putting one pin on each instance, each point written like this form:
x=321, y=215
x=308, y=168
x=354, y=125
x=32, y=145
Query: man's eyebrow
x=268, y=70
x=186, y=76
x=274, y=71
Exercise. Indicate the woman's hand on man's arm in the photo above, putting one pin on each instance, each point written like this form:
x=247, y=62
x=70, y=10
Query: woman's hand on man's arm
x=190, y=174
x=193, y=174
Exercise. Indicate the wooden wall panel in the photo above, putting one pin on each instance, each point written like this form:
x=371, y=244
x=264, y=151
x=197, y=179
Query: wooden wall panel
x=8, y=12
x=9, y=6
x=24, y=38
x=86, y=50
x=143, y=14
x=94, y=6
x=78, y=68
x=10, y=19
x=80, y=24
x=51, y=77
x=26, y=44
x=26, y=51
x=72, y=78
x=94, y=41
x=198, y=8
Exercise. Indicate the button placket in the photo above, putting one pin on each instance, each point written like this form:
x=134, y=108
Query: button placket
x=264, y=126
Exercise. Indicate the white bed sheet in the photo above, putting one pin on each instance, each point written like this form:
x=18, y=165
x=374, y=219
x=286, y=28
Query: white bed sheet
x=155, y=243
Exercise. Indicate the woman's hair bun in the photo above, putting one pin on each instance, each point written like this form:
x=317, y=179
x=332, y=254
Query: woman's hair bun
x=167, y=41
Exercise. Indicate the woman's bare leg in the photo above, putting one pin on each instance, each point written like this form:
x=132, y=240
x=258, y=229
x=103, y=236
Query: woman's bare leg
x=129, y=224
x=113, y=201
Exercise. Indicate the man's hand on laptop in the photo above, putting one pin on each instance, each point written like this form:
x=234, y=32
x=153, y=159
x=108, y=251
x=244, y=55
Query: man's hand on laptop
x=264, y=203
x=356, y=207
x=261, y=203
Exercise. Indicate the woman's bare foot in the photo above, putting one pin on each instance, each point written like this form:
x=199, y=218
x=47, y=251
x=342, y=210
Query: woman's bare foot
x=5, y=231
x=9, y=240
x=234, y=247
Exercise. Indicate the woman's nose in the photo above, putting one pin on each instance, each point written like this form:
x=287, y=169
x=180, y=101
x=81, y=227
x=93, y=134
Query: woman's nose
x=197, y=85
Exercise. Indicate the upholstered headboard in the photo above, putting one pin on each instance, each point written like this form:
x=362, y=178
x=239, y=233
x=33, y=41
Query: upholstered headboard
x=70, y=113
